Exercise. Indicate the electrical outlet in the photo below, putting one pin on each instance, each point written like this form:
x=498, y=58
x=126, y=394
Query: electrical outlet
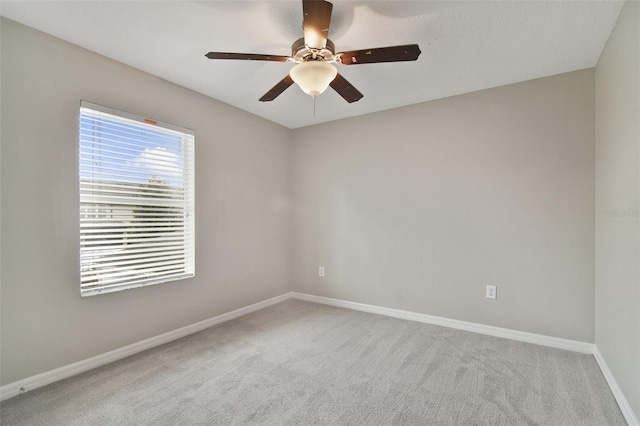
x=321, y=271
x=492, y=292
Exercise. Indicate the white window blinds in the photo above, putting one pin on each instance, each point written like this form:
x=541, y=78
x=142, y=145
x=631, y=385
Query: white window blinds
x=136, y=201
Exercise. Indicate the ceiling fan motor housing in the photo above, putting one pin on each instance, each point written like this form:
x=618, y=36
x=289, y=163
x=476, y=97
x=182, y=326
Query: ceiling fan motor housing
x=300, y=52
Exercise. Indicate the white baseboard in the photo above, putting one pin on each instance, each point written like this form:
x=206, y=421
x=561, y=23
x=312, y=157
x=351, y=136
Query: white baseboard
x=522, y=336
x=627, y=412
x=12, y=389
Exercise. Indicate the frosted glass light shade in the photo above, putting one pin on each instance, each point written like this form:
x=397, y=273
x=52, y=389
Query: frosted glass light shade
x=313, y=77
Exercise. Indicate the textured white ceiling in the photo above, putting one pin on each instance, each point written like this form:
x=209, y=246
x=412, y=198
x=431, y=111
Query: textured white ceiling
x=466, y=45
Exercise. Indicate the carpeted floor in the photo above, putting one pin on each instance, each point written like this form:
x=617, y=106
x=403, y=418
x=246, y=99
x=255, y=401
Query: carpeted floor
x=300, y=363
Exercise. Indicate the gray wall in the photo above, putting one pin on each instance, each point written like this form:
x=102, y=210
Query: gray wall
x=419, y=208
x=242, y=224
x=617, y=203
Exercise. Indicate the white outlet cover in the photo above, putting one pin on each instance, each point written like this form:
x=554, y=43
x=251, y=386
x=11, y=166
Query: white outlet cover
x=321, y=271
x=491, y=292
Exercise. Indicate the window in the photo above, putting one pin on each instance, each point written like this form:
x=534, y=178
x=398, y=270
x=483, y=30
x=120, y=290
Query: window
x=136, y=201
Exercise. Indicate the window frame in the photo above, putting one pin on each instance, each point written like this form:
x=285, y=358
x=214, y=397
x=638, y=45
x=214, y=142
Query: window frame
x=131, y=248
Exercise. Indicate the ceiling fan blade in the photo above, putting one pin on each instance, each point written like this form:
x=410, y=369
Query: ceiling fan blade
x=277, y=89
x=407, y=52
x=316, y=21
x=345, y=89
x=246, y=56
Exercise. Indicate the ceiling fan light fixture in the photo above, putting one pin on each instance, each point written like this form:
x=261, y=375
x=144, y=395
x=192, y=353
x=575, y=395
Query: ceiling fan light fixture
x=313, y=77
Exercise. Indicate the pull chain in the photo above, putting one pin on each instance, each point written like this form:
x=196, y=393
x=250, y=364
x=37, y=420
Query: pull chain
x=314, y=106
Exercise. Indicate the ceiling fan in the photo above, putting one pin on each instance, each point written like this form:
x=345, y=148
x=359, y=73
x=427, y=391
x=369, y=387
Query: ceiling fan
x=314, y=53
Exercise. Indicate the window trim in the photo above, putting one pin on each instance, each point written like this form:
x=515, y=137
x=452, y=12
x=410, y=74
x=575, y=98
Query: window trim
x=186, y=235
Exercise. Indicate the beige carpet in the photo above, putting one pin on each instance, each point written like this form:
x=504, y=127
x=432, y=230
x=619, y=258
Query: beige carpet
x=300, y=363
